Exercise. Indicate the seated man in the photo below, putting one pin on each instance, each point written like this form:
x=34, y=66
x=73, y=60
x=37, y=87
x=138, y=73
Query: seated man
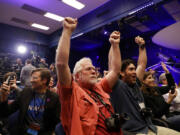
x=84, y=101
x=127, y=97
x=38, y=107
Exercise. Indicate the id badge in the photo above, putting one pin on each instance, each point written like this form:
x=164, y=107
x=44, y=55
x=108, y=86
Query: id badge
x=142, y=105
x=32, y=132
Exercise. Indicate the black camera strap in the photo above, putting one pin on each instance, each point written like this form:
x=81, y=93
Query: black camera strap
x=98, y=97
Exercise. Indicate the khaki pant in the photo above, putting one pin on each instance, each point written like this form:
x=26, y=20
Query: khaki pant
x=162, y=131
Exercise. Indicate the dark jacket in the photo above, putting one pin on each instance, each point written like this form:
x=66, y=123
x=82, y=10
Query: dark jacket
x=50, y=115
x=155, y=101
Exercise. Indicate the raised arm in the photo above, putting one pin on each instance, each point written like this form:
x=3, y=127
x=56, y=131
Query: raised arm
x=62, y=53
x=114, y=59
x=142, y=60
x=164, y=67
x=170, y=80
x=171, y=84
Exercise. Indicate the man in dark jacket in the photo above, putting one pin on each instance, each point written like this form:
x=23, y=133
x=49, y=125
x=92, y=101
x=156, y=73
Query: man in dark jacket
x=38, y=107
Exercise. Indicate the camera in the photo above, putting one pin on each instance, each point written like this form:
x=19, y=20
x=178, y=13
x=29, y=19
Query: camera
x=173, y=89
x=115, y=122
x=146, y=112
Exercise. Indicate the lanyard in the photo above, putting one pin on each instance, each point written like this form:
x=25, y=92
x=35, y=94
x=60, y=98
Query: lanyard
x=98, y=97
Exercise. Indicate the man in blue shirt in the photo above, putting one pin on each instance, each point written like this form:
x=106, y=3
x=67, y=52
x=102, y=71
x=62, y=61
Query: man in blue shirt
x=39, y=108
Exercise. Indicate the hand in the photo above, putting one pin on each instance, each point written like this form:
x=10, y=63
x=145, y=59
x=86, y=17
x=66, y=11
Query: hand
x=115, y=37
x=5, y=90
x=70, y=23
x=13, y=84
x=139, y=40
x=171, y=96
x=164, y=67
x=152, y=71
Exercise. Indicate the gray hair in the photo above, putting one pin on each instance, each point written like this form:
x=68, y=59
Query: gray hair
x=78, y=66
x=162, y=77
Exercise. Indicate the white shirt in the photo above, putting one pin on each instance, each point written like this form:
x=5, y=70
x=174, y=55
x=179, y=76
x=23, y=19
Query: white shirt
x=175, y=105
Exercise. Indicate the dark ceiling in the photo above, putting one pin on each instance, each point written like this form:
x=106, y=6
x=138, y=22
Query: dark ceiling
x=146, y=23
x=147, y=20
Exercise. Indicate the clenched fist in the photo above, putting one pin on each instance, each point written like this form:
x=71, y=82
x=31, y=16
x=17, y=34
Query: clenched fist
x=115, y=37
x=164, y=67
x=70, y=23
x=139, y=40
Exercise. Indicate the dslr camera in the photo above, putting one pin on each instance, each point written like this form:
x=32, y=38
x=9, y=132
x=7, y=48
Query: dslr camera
x=146, y=112
x=115, y=122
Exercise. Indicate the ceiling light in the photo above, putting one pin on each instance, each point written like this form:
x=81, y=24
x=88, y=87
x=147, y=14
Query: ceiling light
x=105, y=32
x=80, y=34
x=74, y=3
x=40, y=26
x=143, y=7
x=53, y=16
x=21, y=49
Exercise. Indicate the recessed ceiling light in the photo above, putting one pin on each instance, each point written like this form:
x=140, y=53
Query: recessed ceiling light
x=54, y=16
x=74, y=3
x=40, y=26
